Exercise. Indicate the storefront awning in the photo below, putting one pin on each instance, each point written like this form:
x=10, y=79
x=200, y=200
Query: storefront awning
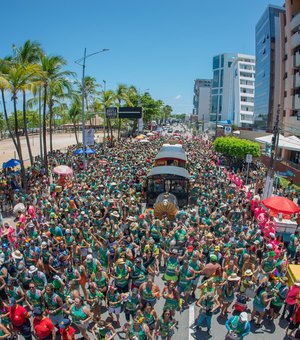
x=289, y=143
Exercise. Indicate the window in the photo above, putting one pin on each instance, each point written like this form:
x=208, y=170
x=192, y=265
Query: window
x=216, y=62
x=222, y=60
x=214, y=104
x=220, y=104
x=229, y=63
x=216, y=79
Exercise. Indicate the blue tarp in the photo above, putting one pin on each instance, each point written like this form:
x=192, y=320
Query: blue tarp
x=11, y=163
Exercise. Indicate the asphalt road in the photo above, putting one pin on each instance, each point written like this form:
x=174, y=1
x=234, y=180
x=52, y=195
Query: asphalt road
x=185, y=329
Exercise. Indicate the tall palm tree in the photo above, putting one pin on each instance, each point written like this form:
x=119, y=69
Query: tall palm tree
x=19, y=79
x=74, y=113
x=108, y=99
x=5, y=86
x=25, y=55
x=53, y=78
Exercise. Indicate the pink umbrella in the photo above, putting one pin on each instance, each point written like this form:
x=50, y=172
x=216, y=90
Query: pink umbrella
x=63, y=170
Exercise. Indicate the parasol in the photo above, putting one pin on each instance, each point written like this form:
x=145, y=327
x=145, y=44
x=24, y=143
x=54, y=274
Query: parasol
x=11, y=163
x=281, y=204
x=78, y=152
x=144, y=141
x=150, y=134
x=19, y=207
x=89, y=151
x=140, y=137
x=63, y=170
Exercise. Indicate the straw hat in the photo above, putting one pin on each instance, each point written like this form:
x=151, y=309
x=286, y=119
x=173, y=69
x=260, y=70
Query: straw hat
x=120, y=261
x=233, y=277
x=248, y=272
x=115, y=214
x=17, y=255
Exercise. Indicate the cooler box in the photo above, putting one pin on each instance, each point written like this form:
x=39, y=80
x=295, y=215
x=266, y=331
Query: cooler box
x=293, y=273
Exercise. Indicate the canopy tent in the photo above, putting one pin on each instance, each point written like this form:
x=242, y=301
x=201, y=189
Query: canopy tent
x=289, y=143
x=11, y=163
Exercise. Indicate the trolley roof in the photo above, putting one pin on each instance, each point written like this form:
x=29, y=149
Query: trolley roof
x=171, y=151
x=169, y=170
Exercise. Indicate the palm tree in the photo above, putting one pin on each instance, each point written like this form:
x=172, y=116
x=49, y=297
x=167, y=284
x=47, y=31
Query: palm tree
x=74, y=113
x=121, y=95
x=24, y=56
x=53, y=79
x=5, y=85
x=108, y=99
x=19, y=79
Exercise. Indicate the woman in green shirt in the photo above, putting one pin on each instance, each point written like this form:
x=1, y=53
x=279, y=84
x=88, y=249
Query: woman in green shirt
x=165, y=325
x=80, y=316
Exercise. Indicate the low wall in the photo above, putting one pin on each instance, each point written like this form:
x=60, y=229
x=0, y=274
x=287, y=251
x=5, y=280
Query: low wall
x=282, y=167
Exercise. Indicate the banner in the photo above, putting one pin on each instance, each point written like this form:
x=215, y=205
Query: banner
x=89, y=136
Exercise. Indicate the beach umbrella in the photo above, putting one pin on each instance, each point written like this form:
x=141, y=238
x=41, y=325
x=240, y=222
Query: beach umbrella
x=150, y=134
x=281, y=204
x=19, y=207
x=89, y=151
x=144, y=141
x=140, y=137
x=63, y=170
x=11, y=163
x=78, y=152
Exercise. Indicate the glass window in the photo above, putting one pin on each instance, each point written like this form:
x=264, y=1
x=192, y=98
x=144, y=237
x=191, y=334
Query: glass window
x=222, y=60
x=216, y=61
x=216, y=79
x=214, y=104
x=220, y=104
x=222, y=72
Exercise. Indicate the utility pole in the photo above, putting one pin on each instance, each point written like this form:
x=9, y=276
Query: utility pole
x=268, y=189
x=40, y=122
x=82, y=110
x=104, y=121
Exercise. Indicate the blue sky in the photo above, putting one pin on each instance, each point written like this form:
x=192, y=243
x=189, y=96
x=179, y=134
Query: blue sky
x=160, y=45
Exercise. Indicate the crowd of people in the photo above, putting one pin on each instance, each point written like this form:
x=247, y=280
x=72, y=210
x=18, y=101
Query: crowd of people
x=84, y=251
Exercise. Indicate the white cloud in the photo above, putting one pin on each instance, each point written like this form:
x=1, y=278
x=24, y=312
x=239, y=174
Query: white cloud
x=178, y=96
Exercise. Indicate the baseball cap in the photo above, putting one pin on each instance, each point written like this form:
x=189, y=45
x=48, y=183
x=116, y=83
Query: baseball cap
x=213, y=258
x=37, y=311
x=65, y=323
x=12, y=302
x=244, y=317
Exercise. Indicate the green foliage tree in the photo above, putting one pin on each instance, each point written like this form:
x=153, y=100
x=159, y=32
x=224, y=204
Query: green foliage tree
x=235, y=147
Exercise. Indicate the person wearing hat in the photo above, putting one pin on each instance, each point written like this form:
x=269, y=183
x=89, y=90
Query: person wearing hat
x=131, y=303
x=38, y=277
x=67, y=332
x=228, y=290
x=121, y=276
x=211, y=269
x=186, y=276
x=268, y=266
x=113, y=302
x=247, y=285
x=19, y=318
x=291, y=300
x=207, y=303
x=43, y=326
x=138, y=273
x=238, y=326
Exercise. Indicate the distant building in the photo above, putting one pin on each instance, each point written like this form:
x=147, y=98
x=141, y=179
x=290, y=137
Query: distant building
x=291, y=67
x=202, y=99
x=241, y=106
x=221, y=91
x=268, y=36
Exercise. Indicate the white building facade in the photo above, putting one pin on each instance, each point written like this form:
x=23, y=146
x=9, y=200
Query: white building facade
x=202, y=99
x=241, y=105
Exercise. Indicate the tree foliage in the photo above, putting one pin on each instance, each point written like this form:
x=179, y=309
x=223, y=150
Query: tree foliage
x=235, y=147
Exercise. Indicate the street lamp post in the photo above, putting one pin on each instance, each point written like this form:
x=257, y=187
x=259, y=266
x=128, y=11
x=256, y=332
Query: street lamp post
x=104, y=121
x=82, y=102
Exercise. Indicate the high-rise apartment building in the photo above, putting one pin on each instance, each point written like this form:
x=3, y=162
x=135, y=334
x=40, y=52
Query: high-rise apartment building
x=291, y=69
x=221, y=91
x=268, y=36
x=242, y=79
x=202, y=99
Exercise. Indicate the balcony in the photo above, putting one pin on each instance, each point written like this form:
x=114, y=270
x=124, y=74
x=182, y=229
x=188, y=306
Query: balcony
x=295, y=40
x=295, y=22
